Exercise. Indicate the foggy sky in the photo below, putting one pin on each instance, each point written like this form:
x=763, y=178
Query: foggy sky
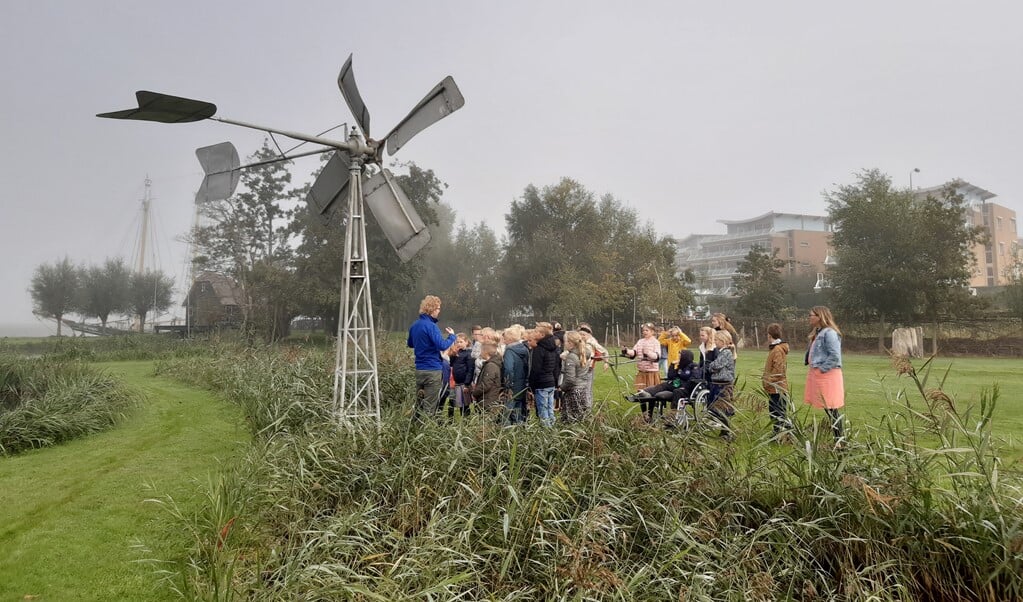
x=690, y=112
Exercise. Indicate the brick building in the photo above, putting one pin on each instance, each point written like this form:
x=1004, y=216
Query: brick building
x=802, y=241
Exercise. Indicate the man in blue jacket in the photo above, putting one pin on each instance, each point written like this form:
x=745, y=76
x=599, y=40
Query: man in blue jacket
x=425, y=338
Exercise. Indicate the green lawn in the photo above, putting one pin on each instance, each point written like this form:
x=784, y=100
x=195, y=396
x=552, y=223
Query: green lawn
x=74, y=524
x=867, y=379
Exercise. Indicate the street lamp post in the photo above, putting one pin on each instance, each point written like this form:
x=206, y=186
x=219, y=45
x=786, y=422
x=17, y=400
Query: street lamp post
x=915, y=170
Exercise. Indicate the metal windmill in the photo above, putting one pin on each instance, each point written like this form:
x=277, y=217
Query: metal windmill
x=343, y=178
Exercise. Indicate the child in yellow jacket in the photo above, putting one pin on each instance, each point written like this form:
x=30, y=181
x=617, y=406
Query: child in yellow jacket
x=675, y=340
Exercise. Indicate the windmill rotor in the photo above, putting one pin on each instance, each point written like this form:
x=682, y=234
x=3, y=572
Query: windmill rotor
x=221, y=165
x=343, y=182
x=445, y=98
x=350, y=91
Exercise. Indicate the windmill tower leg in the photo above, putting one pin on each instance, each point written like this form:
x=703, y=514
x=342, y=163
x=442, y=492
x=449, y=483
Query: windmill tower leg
x=356, y=383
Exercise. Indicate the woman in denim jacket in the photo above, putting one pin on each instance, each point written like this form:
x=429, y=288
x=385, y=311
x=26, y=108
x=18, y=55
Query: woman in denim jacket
x=825, y=387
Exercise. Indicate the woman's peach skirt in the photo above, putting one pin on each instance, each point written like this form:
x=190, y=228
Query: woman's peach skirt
x=825, y=389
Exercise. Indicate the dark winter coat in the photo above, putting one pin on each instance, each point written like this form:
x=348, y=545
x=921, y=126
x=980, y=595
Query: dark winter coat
x=709, y=356
x=686, y=369
x=462, y=367
x=544, y=364
x=516, y=367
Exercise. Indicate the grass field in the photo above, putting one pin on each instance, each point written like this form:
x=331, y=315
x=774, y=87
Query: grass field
x=74, y=524
x=870, y=382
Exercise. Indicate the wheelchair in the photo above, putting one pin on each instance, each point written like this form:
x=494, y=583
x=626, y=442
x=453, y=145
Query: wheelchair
x=689, y=411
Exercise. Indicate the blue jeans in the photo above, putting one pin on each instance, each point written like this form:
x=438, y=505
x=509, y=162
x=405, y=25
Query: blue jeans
x=515, y=408
x=545, y=405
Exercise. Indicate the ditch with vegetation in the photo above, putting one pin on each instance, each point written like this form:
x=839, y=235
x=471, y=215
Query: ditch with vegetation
x=919, y=507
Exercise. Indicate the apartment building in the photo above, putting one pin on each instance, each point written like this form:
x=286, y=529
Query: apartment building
x=802, y=241
x=996, y=261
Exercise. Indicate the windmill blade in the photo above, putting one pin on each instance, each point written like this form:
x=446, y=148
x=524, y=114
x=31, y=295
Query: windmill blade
x=165, y=108
x=443, y=100
x=396, y=215
x=346, y=82
x=221, y=165
x=330, y=190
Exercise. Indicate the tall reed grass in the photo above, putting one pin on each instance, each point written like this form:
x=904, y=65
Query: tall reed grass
x=918, y=508
x=43, y=402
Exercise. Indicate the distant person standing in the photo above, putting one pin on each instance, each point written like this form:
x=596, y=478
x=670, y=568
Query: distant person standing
x=825, y=385
x=721, y=322
x=425, y=339
x=598, y=353
x=673, y=341
x=647, y=352
x=516, y=370
x=544, y=370
x=775, y=378
x=575, y=370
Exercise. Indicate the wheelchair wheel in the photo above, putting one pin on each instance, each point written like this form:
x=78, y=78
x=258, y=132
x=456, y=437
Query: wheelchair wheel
x=699, y=400
x=690, y=411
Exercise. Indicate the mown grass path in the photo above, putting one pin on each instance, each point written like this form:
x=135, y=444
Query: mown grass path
x=74, y=524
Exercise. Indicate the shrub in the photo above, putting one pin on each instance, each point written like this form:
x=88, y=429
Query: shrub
x=128, y=347
x=289, y=389
x=44, y=403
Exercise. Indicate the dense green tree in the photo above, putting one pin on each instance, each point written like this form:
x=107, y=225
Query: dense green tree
x=319, y=257
x=874, y=275
x=475, y=292
x=103, y=290
x=441, y=266
x=394, y=280
x=53, y=289
x=570, y=256
x=899, y=257
x=944, y=255
x=249, y=239
x=149, y=292
x=759, y=284
x=1013, y=296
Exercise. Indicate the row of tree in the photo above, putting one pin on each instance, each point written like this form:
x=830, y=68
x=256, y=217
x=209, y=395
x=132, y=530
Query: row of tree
x=566, y=254
x=98, y=291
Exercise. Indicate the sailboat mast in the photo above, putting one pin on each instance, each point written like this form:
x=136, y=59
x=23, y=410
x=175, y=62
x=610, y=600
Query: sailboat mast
x=144, y=234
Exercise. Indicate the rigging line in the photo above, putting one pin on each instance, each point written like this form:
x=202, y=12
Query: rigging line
x=279, y=149
x=129, y=233
x=162, y=242
x=326, y=131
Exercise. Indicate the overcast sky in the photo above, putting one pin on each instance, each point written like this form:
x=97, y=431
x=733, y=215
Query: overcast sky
x=691, y=112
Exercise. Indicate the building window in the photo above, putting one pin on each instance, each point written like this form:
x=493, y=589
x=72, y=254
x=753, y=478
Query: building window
x=204, y=287
x=803, y=243
x=1012, y=221
x=1001, y=249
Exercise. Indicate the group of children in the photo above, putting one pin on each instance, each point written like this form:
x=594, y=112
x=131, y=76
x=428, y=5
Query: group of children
x=716, y=367
x=502, y=372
